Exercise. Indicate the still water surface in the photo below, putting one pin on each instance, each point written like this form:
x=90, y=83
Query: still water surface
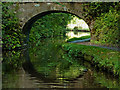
x=46, y=65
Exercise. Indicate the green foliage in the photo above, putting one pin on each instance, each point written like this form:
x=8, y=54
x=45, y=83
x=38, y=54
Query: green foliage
x=106, y=28
x=74, y=71
x=11, y=61
x=50, y=25
x=77, y=28
x=81, y=38
x=106, y=16
x=95, y=9
x=104, y=58
x=11, y=33
x=109, y=83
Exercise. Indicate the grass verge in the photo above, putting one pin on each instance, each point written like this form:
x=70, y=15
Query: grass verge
x=103, y=58
x=80, y=38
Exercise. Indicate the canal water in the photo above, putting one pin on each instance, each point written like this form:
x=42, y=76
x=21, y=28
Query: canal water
x=46, y=65
x=77, y=34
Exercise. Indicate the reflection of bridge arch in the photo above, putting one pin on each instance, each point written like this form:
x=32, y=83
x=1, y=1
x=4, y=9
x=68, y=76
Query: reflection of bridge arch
x=28, y=67
x=28, y=25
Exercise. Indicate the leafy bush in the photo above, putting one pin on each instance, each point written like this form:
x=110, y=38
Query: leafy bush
x=95, y=9
x=11, y=33
x=106, y=28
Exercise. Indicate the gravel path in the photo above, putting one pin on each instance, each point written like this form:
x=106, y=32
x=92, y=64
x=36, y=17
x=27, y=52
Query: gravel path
x=78, y=41
x=91, y=44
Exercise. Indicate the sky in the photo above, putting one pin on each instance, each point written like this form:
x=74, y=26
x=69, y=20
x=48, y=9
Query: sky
x=76, y=22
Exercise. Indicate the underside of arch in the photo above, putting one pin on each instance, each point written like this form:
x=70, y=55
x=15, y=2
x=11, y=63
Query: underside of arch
x=28, y=25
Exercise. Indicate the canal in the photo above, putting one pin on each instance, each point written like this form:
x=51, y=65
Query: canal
x=46, y=65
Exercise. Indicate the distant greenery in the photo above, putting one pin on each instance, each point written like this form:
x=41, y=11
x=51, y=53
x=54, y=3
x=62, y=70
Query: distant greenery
x=50, y=25
x=80, y=38
x=80, y=28
x=103, y=58
x=12, y=36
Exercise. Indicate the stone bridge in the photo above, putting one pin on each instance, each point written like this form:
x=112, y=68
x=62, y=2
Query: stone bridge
x=29, y=12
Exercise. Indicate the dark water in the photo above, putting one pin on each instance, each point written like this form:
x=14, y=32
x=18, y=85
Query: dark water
x=46, y=65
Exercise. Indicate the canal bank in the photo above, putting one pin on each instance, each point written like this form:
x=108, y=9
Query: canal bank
x=104, y=59
x=48, y=66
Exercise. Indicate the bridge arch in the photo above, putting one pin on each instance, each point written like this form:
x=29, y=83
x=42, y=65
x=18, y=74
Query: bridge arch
x=28, y=25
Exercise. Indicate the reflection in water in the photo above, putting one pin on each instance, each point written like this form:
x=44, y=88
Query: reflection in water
x=48, y=66
x=50, y=60
x=72, y=34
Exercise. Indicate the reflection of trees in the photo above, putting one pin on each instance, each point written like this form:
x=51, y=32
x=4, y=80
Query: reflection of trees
x=49, y=60
x=29, y=67
x=75, y=30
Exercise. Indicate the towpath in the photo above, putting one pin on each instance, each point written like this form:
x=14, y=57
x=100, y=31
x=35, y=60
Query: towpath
x=86, y=42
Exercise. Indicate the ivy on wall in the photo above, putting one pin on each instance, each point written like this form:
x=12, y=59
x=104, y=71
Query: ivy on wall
x=12, y=36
